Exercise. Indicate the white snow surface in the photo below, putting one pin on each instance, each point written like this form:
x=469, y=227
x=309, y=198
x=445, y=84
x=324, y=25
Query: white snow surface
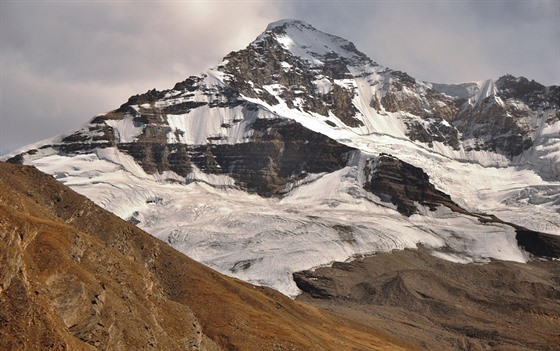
x=304, y=41
x=125, y=129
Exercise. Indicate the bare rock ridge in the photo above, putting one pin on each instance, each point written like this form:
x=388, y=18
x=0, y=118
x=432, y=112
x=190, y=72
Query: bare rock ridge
x=538, y=244
x=76, y=277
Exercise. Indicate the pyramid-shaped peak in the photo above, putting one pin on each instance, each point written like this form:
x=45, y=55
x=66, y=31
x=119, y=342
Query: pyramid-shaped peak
x=284, y=23
x=307, y=42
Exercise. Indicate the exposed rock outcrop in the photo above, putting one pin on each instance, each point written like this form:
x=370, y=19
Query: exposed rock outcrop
x=404, y=185
x=280, y=152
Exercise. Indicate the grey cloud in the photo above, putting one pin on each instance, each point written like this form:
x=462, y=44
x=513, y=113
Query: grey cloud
x=111, y=42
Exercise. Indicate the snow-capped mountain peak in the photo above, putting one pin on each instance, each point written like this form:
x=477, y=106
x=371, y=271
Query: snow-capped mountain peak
x=299, y=150
x=310, y=44
x=287, y=22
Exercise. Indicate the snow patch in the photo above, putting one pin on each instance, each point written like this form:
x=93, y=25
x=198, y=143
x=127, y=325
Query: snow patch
x=126, y=129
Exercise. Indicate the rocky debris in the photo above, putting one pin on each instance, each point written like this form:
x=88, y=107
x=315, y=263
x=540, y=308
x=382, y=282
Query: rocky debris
x=404, y=185
x=441, y=305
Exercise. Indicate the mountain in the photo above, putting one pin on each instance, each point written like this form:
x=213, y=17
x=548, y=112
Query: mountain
x=299, y=151
x=74, y=276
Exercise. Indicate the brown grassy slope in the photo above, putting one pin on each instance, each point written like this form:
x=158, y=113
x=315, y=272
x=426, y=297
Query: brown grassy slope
x=74, y=276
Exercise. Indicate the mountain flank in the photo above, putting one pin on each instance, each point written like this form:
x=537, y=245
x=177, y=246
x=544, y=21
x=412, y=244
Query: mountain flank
x=76, y=277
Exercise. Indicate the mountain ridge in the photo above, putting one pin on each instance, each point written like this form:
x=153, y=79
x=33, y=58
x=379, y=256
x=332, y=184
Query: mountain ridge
x=225, y=85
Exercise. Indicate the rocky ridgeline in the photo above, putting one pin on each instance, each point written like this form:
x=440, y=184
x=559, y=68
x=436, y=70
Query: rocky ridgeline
x=505, y=121
x=266, y=63
x=278, y=151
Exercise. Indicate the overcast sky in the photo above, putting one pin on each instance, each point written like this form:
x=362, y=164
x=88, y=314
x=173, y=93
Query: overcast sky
x=62, y=62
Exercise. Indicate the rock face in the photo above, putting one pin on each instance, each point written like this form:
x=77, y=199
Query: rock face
x=280, y=152
x=533, y=94
x=539, y=244
x=76, y=277
x=266, y=64
x=404, y=185
x=504, y=115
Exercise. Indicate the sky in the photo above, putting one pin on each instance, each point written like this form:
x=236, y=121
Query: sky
x=63, y=62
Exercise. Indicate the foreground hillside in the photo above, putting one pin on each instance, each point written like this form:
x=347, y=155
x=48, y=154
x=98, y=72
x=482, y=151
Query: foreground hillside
x=76, y=277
